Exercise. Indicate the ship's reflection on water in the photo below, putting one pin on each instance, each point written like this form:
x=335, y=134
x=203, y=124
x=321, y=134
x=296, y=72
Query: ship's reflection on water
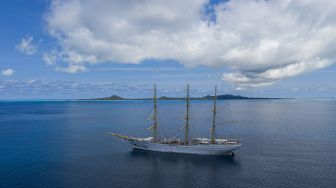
x=199, y=160
x=209, y=171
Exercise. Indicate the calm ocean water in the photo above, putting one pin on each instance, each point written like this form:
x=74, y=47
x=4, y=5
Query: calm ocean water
x=286, y=143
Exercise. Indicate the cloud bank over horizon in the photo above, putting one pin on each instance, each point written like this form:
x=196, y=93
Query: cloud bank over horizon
x=260, y=41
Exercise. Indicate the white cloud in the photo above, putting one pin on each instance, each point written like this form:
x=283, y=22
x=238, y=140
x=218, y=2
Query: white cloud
x=50, y=58
x=27, y=46
x=261, y=41
x=7, y=72
x=72, y=68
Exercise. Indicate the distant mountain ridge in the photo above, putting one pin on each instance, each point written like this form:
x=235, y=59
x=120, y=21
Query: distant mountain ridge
x=207, y=97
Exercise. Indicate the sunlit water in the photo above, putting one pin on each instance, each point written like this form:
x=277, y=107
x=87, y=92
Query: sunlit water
x=286, y=143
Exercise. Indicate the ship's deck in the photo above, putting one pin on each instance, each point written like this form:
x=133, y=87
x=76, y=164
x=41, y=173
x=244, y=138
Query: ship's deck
x=177, y=141
x=196, y=141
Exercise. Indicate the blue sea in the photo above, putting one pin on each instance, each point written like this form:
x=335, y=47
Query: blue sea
x=285, y=143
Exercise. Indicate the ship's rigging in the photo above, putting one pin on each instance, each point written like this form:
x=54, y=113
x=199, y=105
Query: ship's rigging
x=205, y=146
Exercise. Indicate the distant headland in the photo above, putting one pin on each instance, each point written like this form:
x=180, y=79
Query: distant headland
x=207, y=97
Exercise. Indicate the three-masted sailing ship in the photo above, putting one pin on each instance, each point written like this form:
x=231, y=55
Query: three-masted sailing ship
x=203, y=146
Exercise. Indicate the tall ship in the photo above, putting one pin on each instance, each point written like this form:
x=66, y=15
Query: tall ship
x=200, y=146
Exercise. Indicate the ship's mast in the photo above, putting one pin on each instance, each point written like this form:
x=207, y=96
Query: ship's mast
x=186, y=138
x=214, y=118
x=155, y=116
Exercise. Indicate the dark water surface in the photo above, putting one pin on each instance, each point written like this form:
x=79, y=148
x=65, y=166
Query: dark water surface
x=286, y=143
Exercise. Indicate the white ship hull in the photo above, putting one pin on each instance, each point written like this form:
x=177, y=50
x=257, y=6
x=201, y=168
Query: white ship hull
x=200, y=149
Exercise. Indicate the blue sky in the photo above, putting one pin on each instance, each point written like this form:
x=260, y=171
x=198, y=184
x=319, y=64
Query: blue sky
x=85, y=69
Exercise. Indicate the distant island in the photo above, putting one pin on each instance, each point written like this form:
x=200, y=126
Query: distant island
x=207, y=97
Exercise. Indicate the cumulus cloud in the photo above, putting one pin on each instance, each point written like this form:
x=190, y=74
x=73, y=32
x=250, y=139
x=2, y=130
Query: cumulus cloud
x=7, y=72
x=72, y=68
x=50, y=58
x=27, y=46
x=260, y=41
